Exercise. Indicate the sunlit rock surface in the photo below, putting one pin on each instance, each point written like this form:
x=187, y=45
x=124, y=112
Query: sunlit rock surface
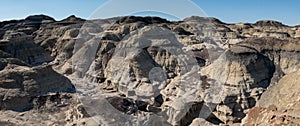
x=148, y=71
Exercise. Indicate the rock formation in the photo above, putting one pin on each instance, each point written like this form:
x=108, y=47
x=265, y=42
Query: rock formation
x=279, y=105
x=19, y=84
x=148, y=71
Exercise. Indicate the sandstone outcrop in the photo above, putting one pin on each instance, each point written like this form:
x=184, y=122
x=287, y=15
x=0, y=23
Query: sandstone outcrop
x=244, y=74
x=279, y=105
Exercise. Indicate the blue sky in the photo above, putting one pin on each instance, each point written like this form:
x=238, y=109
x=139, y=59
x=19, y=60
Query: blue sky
x=230, y=11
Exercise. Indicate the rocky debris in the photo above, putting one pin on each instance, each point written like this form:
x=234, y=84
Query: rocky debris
x=51, y=102
x=56, y=109
x=271, y=115
x=122, y=104
x=279, y=105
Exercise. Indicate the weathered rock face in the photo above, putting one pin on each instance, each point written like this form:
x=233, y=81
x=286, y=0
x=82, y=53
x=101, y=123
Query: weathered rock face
x=198, y=71
x=20, y=84
x=28, y=25
x=243, y=74
x=287, y=88
x=284, y=53
x=279, y=105
x=21, y=46
x=58, y=39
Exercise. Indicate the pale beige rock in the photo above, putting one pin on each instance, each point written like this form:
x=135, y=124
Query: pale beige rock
x=279, y=105
x=200, y=122
x=239, y=71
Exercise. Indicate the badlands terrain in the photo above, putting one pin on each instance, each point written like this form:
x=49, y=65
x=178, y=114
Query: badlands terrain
x=148, y=71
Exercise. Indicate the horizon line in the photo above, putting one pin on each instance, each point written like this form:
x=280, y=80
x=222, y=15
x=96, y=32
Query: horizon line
x=85, y=18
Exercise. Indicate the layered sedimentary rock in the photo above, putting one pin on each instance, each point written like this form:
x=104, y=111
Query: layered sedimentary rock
x=279, y=105
x=243, y=74
x=148, y=71
x=20, y=84
x=22, y=46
